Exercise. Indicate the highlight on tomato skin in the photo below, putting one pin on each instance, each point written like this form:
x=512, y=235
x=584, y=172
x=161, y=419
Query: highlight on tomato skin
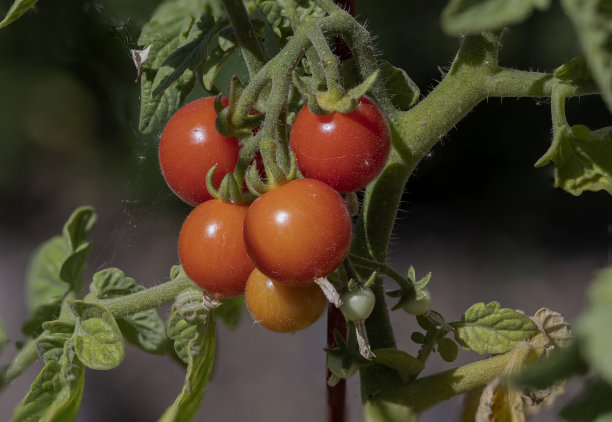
x=211, y=248
x=190, y=145
x=346, y=151
x=281, y=307
x=298, y=231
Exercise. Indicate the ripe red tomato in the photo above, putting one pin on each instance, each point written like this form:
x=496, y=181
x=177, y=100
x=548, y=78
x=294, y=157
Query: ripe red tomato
x=211, y=248
x=346, y=151
x=280, y=307
x=190, y=146
x=297, y=232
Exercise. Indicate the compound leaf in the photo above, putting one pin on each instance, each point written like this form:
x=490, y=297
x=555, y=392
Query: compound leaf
x=492, y=329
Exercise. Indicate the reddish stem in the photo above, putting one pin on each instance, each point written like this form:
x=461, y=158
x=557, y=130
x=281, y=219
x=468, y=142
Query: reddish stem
x=336, y=395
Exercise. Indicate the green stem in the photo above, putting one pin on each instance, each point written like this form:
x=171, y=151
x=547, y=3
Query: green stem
x=251, y=48
x=25, y=357
x=426, y=392
x=147, y=299
x=505, y=82
x=382, y=268
x=329, y=62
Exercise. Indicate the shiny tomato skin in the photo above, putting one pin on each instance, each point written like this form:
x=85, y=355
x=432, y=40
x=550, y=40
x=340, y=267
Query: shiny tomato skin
x=298, y=231
x=346, y=151
x=211, y=248
x=281, y=307
x=190, y=146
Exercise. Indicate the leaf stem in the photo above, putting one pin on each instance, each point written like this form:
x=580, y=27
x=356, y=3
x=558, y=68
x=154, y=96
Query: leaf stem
x=382, y=268
x=24, y=358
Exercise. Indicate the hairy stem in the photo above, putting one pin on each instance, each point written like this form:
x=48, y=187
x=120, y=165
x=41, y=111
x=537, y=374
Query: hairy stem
x=147, y=299
x=251, y=48
x=25, y=357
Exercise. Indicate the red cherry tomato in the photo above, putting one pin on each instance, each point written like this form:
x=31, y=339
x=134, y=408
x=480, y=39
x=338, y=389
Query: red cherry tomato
x=211, y=248
x=190, y=146
x=297, y=232
x=346, y=151
x=280, y=307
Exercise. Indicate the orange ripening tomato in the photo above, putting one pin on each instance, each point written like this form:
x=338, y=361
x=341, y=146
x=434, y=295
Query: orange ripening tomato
x=283, y=308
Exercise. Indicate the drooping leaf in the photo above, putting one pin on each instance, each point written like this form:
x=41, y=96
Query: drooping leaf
x=50, y=344
x=43, y=282
x=188, y=56
x=406, y=365
x=97, y=338
x=18, y=8
x=231, y=311
x=74, y=266
x=476, y=16
x=582, y=159
x=492, y=329
x=55, y=395
x=79, y=226
x=144, y=329
x=592, y=20
x=200, y=359
x=592, y=405
x=169, y=29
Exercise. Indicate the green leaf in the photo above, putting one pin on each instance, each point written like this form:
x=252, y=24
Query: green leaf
x=405, y=91
x=55, y=395
x=181, y=332
x=47, y=312
x=200, y=359
x=417, y=337
x=231, y=311
x=593, y=404
x=600, y=292
x=74, y=266
x=575, y=70
x=213, y=64
x=79, y=227
x=492, y=329
x=448, y=349
x=278, y=20
x=188, y=56
x=144, y=329
x=43, y=282
x=592, y=20
x=406, y=365
x=476, y=16
x=582, y=159
x=97, y=338
x=3, y=337
x=18, y=8
x=50, y=344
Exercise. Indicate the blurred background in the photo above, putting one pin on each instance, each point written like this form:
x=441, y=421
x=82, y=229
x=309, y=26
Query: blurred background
x=477, y=214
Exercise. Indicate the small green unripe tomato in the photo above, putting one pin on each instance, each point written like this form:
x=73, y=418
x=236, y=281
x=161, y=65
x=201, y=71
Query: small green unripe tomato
x=357, y=305
x=419, y=305
x=334, y=363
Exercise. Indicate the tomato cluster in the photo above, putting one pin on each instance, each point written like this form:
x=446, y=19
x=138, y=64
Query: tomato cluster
x=274, y=248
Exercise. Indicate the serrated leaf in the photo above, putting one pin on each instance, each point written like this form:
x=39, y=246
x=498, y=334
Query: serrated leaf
x=97, y=338
x=43, y=282
x=181, y=332
x=582, y=159
x=231, y=311
x=74, y=266
x=188, y=56
x=476, y=16
x=18, y=8
x=592, y=20
x=593, y=404
x=213, y=64
x=201, y=358
x=144, y=329
x=79, y=226
x=55, y=395
x=50, y=344
x=448, y=349
x=492, y=329
x=167, y=30
x=406, y=365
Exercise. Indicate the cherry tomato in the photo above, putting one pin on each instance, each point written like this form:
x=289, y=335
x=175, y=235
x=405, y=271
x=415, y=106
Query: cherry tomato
x=211, y=248
x=357, y=305
x=346, y=151
x=190, y=146
x=297, y=232
x=283, y=308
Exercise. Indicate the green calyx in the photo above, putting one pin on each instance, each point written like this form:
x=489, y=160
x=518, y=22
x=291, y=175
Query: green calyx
x=280, y=167
x=224, y=124
x=230, y=189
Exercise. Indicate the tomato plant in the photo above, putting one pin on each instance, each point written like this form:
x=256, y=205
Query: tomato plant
x=212, y=250
x=190, y=145
x=279, y=236
x=282, y=307
x=344, y=150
